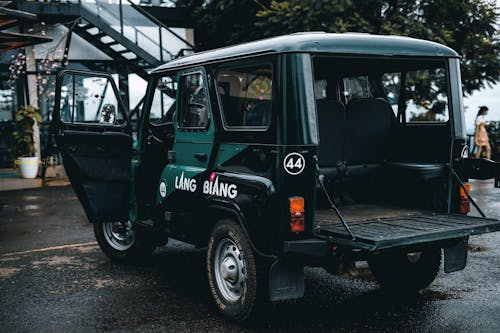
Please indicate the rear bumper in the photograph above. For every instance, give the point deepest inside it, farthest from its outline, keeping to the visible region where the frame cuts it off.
(310, 247)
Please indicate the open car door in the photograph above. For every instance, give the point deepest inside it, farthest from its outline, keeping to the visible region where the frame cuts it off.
(94, 136)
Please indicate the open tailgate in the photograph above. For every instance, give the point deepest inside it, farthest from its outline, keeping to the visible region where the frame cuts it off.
(384, 233)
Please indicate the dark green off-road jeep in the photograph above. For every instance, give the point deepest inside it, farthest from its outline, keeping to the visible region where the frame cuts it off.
(310, 149)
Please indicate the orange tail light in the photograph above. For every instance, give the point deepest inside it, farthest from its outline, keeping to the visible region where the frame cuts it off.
(297, 221)
(464, 203)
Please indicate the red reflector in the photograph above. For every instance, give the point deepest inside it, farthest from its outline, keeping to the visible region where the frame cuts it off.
(464, 203)
(297, 221)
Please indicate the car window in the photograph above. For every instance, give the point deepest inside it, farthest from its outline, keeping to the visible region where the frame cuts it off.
(246, 96)
(163, 104)
(356, 87)
(426, 95)
(87, 99)
(193, 97)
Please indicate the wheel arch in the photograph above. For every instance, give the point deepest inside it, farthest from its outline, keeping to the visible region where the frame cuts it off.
(219, 209)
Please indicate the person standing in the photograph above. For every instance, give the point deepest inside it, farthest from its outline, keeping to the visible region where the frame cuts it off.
(481, 139)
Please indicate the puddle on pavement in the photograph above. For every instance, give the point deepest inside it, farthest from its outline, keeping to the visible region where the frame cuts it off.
(30, 207)
(31, 197)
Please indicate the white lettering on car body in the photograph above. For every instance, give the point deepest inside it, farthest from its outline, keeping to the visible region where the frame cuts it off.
(184, 183)
(220, 189)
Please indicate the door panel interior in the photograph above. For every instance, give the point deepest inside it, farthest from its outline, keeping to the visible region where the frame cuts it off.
(95, 140)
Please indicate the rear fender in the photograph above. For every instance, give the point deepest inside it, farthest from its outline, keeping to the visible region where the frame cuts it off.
(218, 208)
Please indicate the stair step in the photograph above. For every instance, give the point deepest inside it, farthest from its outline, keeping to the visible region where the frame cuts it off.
(106, 39)
(93, 31)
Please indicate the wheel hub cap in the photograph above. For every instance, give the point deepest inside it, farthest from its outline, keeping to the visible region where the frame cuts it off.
(119, 235)
(229, 270)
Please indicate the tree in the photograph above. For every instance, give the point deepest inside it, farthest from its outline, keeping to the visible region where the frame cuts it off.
(220, 23)
(467, 26)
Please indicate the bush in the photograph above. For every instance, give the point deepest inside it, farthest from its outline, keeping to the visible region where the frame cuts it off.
(23, 133)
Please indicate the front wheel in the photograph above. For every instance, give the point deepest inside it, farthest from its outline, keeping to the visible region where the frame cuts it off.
(406, 271)
(120, 242)
(232, 273)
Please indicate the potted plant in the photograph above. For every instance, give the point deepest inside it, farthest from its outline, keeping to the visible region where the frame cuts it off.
(26, 118)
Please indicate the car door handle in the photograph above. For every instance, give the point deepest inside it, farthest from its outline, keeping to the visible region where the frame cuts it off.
(202, 157)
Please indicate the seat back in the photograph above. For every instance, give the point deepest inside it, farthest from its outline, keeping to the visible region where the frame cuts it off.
(331, 124)
(369, 126)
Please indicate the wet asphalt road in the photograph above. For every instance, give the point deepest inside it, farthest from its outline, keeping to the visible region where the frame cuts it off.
(54, 278)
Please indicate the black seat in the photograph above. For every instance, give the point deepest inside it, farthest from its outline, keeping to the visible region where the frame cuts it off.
(259, 114)
(331, 124)
(370, 123)
(416, 170)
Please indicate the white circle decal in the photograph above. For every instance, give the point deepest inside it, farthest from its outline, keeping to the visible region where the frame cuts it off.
(163, 189)
(294, 163)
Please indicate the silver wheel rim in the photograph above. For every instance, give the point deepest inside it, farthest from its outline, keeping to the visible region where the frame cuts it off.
(229, 270)
(119, 235)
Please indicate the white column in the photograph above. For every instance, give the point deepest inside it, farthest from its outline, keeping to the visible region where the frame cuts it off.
(33, 93)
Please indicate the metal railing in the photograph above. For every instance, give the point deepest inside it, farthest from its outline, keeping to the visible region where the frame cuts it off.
(137, 25)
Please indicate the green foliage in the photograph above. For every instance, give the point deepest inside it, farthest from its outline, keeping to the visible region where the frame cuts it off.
(467, 26)
(23, 134)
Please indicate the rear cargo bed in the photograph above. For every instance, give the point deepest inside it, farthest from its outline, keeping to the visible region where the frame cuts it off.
(398, 227)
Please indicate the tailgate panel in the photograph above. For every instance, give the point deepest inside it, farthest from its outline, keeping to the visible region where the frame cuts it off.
(383, 233)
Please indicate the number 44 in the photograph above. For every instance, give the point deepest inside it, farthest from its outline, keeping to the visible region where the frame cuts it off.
(290, 164)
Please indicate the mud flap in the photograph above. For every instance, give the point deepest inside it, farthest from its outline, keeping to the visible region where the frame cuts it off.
(286, 280)
(455, 257)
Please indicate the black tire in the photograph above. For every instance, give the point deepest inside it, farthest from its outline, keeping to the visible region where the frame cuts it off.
(230, 259)
(139, 248)
(405, 272)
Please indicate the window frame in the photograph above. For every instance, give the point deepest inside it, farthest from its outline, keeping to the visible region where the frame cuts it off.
(110, 79)
(180, 101)
(219, 101)
(155, 84)
(443, 60)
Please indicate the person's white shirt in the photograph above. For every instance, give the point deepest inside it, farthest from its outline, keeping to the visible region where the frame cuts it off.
(480, 120)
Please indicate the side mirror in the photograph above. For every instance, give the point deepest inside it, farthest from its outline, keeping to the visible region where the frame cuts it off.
(108, 114)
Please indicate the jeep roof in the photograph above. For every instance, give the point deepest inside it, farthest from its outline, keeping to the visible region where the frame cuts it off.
(319, 42)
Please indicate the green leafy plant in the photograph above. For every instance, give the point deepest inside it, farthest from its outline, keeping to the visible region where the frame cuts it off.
(23, 134)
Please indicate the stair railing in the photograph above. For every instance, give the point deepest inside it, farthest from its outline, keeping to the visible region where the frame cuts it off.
(125, 23)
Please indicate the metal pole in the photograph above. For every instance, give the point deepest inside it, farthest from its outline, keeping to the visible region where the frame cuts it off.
(121, 16)
(161, 44)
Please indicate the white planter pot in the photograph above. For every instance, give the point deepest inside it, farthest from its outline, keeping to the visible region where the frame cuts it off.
(28, 166)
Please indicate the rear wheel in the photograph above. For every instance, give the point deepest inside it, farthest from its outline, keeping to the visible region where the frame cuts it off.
(406, 271)
(232, 273)
(120, 242)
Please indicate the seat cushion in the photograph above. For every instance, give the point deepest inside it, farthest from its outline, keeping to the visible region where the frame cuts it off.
(416, 170)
